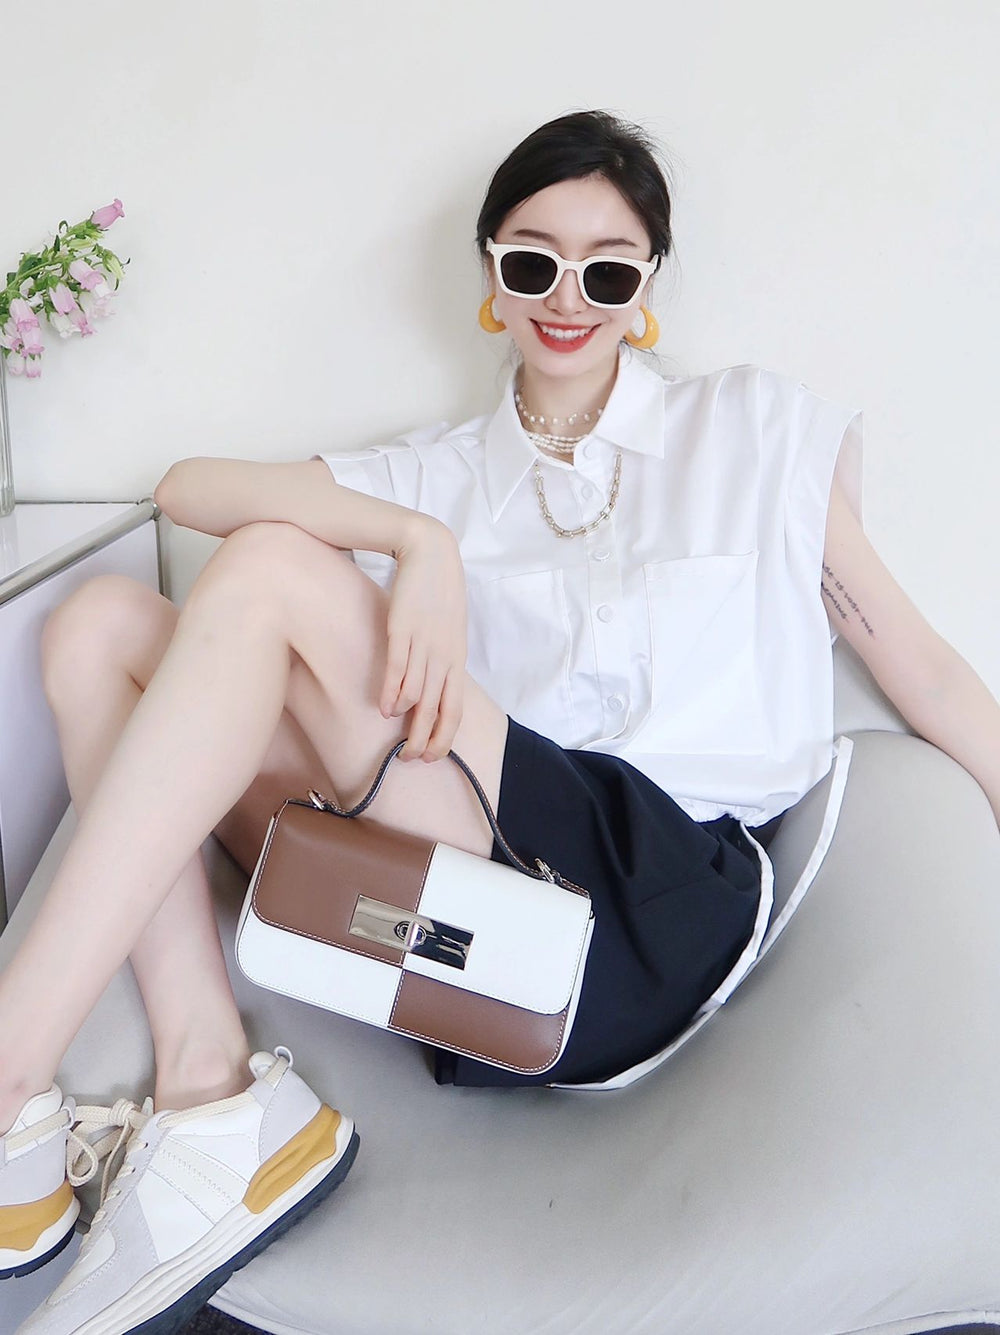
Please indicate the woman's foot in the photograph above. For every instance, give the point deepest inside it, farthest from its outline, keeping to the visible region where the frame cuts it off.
(37, 1206)
(200, 1192)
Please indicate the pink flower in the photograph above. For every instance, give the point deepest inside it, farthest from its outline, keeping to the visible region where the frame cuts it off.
(15, 364)
(10, 338)
(33, 368)
(86, 276)
(22, 315)
(79, 318)
(63, 300)
(106, 216)
(25, 323)
(33, 346)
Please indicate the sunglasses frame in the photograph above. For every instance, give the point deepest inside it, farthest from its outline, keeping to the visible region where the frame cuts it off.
(646, 270)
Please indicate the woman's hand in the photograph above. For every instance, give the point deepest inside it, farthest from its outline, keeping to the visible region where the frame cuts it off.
(425, 663)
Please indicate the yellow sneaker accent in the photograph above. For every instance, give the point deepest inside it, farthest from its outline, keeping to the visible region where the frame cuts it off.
(316, 1141)
(22, 1225)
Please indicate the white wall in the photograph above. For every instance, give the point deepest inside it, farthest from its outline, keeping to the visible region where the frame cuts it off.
(301, 181)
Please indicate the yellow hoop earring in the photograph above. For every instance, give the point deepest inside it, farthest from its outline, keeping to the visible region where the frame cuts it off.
(487, 319)
(649, 335)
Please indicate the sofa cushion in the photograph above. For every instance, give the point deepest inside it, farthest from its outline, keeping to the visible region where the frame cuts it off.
(820, 1157)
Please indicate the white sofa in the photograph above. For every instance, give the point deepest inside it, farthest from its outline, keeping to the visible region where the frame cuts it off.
(821, 1158)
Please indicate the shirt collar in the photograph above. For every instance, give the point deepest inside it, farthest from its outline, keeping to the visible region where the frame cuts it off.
(633, 418)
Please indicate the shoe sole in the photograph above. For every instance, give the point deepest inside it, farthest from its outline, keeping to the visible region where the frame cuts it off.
(50, 1249)
(179, 1312)
(29, 1267)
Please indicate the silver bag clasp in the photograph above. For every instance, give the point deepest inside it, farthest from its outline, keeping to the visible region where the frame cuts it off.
(413, 933)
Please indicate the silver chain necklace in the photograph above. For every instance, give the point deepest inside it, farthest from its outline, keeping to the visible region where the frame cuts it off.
(594, 523)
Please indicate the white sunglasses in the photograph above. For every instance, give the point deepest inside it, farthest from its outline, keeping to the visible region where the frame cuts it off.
(608, 281)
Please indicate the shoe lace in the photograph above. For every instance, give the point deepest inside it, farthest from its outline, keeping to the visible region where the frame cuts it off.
(120, 1123)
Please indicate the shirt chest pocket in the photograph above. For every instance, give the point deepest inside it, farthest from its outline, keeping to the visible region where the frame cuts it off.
(519, 648)
(705, 696)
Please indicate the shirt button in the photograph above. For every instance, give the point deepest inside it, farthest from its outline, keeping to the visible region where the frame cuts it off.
(602, 554)
(606, 613)
(586, 491)
(615, 702)
(587, 450)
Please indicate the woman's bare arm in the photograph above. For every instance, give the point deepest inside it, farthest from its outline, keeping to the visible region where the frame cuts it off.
(218, 496)
(935, 689)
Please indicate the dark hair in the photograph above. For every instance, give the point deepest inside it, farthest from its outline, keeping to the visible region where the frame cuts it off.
(583, 143)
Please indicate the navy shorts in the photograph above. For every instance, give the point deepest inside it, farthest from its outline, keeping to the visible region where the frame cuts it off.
(674, 899)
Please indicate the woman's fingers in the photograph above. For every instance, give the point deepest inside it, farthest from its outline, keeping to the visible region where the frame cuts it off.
(397, 660)
(431, 686)
(404, 680)
(412, 689)
(425, 714)
(448, 718)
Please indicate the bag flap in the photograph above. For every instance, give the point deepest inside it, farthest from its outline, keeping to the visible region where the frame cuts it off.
(528, 936)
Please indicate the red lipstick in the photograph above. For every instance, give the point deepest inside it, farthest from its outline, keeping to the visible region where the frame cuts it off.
(564, 344)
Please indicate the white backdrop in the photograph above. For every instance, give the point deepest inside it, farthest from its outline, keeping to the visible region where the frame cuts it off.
(301, 180)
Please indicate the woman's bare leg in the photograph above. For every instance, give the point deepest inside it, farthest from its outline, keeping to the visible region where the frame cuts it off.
(100, 649)
(257, 631)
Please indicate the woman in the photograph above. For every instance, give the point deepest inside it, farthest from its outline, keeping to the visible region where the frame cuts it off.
(653, 569)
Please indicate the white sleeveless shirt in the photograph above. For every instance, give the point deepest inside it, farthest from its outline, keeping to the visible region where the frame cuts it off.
(688, 633)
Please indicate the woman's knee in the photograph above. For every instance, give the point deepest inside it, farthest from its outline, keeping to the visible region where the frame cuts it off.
(100, 618)
(267, 564)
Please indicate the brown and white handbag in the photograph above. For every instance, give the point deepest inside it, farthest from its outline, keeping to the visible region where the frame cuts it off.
(414, 935)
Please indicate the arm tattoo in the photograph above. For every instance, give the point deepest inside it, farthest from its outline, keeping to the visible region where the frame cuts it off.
(841, 596)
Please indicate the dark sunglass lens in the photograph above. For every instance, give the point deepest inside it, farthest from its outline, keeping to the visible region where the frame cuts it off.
(527, 273)
(615, 284)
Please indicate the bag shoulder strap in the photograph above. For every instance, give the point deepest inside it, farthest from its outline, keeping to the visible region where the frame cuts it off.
(543, 873)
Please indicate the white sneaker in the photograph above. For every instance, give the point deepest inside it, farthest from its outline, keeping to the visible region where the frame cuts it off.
(37, 1206)
(198, 1194)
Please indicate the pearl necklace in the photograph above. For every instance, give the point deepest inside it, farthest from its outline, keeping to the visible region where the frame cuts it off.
(560, 445)
(547, 440)
(530, 417)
